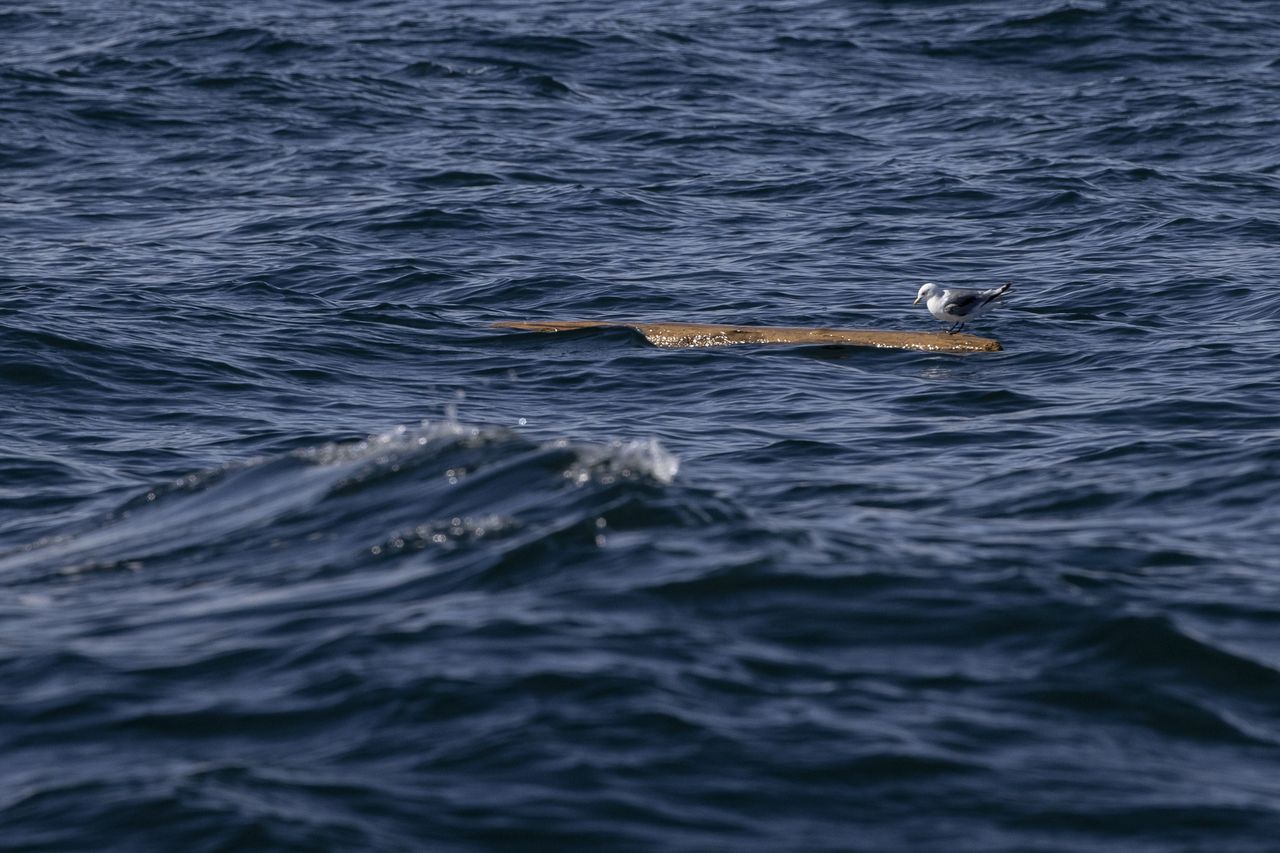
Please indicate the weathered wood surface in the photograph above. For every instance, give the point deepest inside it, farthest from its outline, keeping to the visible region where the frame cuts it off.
(713, 335)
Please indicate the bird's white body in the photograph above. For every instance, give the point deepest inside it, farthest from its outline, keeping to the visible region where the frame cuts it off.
(959, 305)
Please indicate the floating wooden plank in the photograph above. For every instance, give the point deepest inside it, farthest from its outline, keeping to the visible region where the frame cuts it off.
(713, 335)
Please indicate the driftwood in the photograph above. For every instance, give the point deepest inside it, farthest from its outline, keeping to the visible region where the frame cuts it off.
(712, 335)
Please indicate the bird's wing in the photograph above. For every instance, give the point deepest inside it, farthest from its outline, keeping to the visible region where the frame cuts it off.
(960, 303)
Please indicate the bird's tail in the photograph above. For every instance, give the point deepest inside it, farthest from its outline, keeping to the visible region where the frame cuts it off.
(997, 293)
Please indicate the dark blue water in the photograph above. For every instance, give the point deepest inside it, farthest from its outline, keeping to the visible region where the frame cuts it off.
(297, 552)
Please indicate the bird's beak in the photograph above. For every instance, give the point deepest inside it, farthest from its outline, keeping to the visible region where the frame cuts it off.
(917, 302)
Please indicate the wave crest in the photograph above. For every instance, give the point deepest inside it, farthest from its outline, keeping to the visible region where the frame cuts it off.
(443, 483)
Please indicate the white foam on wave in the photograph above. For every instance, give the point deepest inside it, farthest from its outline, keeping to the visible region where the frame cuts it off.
(627, 460)
(398, 440)
(632, 459)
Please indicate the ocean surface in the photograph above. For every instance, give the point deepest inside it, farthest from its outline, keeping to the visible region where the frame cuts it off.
(299, 552)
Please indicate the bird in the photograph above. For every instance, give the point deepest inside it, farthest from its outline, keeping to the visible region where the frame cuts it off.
(956, 305)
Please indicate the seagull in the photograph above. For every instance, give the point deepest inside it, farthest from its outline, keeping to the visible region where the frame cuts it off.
(957, 305)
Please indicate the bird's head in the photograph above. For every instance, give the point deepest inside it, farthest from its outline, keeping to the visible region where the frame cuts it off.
(926, 290)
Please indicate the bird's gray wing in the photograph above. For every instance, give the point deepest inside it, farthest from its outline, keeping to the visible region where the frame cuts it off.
(964, 303)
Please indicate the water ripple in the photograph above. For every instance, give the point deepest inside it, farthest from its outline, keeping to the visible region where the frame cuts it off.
(612, 595)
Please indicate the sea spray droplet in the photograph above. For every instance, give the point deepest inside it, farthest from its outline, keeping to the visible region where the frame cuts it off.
(647, 457)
